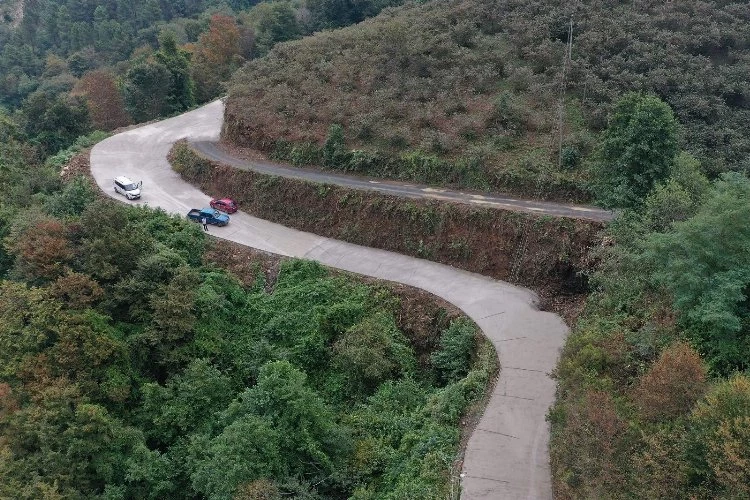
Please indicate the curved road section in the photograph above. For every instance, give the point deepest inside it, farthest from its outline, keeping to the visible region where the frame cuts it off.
(506, 456)
(212, 151)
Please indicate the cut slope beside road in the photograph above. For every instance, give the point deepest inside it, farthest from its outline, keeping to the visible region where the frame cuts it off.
(213, 151)
(506, 456)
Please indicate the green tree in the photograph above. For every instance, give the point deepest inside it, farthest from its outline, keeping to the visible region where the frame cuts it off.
(105, 254)
(54, 122)
(167, 340)
(181, 95)
(678, 198)
(334, 149)
(82, 61)
(246, 450)
(337, 13)
(190, 401)
(146, 90)
(273, 22)
(78, 446)
(310, 440)
(637, 150)
(23, 333)
(73, 199)
(372, 351)
(704, 263)
(453, 359)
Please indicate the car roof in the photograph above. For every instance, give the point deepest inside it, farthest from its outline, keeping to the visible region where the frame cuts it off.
(123, 180)
(211, 210)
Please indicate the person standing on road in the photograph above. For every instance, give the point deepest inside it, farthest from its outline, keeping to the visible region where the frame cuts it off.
(205, 225)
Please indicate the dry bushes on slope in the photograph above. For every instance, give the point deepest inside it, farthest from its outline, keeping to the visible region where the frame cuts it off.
(477, 82)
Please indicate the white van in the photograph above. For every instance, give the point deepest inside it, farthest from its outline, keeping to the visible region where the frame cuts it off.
(130, 189)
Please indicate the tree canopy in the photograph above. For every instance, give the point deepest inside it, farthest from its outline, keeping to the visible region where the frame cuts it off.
(637, 150)
(138, 367)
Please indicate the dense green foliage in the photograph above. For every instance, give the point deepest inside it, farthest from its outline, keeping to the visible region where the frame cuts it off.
(70, 67)
(162, 85)
(704, 264)
(637, 150)
(637, 414)
(478, 83)
(88, 35)
(133, 367)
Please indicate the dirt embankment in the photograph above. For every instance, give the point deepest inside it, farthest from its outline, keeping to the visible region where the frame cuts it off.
(539, 252)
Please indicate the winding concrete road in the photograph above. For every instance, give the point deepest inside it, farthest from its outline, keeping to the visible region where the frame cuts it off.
(506, 457)
(213, 151)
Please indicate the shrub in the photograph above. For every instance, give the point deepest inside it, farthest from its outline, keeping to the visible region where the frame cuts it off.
(704, 264)
(719, 448)
(192, 166)
(672, 385)
(637, 150)
(372, 351)
(73, 200)
(589, 449)
(453, 359)
(334, 146)
(61, 158)
(571, 157)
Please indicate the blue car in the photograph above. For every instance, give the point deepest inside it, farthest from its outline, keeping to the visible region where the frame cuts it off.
(211, 215)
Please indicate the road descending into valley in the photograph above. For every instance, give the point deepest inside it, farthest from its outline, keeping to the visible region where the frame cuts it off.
(506, 456)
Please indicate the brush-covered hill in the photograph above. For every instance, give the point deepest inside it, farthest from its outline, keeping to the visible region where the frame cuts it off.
(467, 92)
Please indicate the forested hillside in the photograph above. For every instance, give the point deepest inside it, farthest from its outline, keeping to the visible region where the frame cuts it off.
(653, 387)
(140, 360)
(135, 364)
(467, 92)
(654, 393)
(70, 67)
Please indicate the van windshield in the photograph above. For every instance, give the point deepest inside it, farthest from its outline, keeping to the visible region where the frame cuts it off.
(129, 187)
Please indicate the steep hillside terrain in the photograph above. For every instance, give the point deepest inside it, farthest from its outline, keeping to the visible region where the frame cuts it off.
(544, 253)
(144, 367)
(467, 92)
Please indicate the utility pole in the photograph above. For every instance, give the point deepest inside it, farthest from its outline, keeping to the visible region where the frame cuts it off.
(563, 85)
(523, 231)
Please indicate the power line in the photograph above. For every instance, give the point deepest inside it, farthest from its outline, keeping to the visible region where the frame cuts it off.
(563, 86)
(525, 229)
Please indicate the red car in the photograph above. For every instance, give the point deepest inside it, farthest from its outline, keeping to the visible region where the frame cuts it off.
(226, 205)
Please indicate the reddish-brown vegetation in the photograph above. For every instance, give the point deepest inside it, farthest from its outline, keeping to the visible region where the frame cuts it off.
(216, 56)
(594, 435)
(672, 385)
(77, 290)
(43, 249)
(8, 403)
(106, 106)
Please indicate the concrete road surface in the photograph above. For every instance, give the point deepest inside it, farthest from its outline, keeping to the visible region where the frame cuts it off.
(212, 151)
(507, 456)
